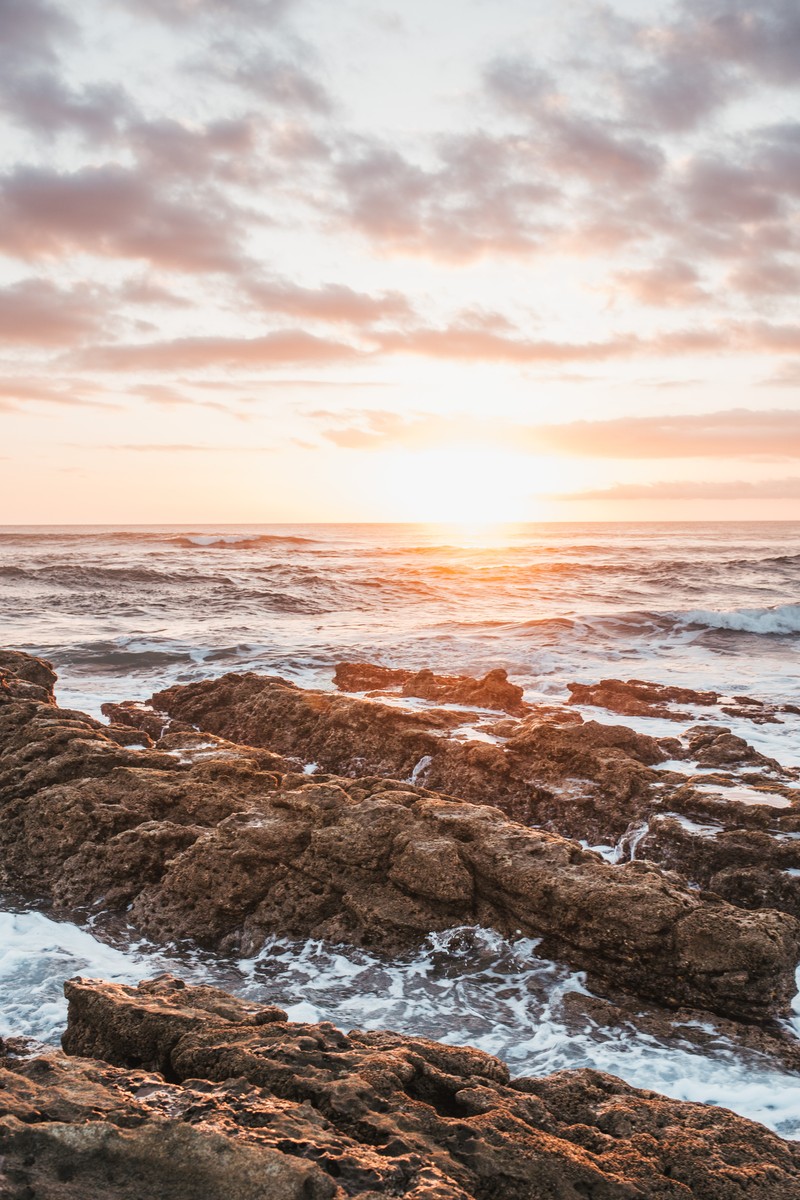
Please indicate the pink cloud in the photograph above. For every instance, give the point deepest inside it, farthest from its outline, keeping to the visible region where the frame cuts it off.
(694, 489)
(284, 347)
(331, 302)
(37, 312)
(116, 212)
(730, 433)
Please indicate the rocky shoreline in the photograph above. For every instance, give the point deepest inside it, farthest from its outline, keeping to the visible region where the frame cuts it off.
(181, 1092)
(228, 811)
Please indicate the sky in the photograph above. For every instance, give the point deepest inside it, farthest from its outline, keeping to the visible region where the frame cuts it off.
(284, 260)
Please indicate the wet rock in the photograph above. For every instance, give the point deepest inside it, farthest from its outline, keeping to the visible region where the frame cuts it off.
(755, 867)
(716, 746)
(226, 851)
(368, 677)
(131, 714)
(124, 735)
(636, 697)
(304, 1110)
(492, 691)
(581, 780)
(23, 677)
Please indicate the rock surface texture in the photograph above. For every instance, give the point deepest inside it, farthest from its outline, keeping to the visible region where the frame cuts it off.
(204, 839)
(493, 691)
(604, 784)
(584, 780)
(187, 1092)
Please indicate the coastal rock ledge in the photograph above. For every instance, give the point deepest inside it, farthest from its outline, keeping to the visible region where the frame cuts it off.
(187, 1093)
(231, 847)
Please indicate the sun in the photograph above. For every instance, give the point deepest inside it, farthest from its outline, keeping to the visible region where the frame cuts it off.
(468, 484)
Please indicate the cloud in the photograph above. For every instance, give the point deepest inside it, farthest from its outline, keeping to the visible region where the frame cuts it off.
(668, 283)
(225, 149)
(37, 312)
(17, 394)
(518, 83)
(116, 212)
(33, 30)
(46, 105)
(677, 90)
(177, 448)
(283, 347)
(787, 375)
(182, 12)
(763, 39)
(677, 72)
(33, 93)
(481, 196)
(693, 489)
(469, 344)
(278, 80)
(332, 302)
(720, 191)
(730, 433)
(766, 276)
(599, 151)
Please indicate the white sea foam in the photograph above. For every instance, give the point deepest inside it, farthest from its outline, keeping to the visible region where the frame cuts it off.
(777, 619)
(463, 987)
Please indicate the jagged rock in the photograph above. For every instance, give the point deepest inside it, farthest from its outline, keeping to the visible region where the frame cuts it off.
(716, 746)
(638, 698)
(208, 1096)
(755, 867)
(23, 677)
(130, 714)
(586, 780)
(230, 849)
(492, 691)
(368, 677)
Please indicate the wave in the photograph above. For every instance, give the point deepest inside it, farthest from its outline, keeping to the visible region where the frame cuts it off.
(63, 575)
(154, 537)
(235, 541)
(779, 620)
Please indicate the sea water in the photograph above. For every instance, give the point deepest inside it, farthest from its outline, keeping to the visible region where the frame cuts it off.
(122, 612)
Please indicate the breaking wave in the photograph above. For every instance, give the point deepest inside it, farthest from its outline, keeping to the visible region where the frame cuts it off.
(779, 620)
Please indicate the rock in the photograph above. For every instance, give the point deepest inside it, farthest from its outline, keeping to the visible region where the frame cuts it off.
(199, 1094)
(368, 677)
(755, 867)
(493, 691)
(132, 714)
(23, 677)
(586, 780)
(228, 850)
(715, 746)
(635, 697)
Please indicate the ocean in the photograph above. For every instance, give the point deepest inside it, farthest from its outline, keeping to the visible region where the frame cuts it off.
(124, 611)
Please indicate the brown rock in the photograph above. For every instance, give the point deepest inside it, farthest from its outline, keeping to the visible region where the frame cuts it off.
(492, 691)
(585, 780)
(226, 852)
(23, 677)
(715, 746)
(635, 697)
(304, 1110)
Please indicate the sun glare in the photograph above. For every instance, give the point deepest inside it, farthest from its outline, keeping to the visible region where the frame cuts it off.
(469, 485)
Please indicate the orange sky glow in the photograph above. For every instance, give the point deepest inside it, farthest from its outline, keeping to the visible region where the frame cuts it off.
(278, 260)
